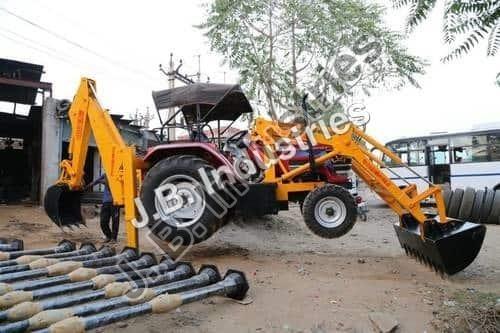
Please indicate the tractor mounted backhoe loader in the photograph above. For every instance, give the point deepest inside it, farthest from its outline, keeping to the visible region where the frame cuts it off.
(329, 210)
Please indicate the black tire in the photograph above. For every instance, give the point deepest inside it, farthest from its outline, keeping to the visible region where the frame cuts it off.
(340, 197)
(495, 209)
(467, 202)
(183, 166)
(489, 196)
(476, 207)
(447, 192)
(455, 202)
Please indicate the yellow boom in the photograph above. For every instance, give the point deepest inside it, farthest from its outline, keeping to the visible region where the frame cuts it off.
(88, 117)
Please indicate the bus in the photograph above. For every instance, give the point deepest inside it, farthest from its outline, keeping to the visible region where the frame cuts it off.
(461, 159)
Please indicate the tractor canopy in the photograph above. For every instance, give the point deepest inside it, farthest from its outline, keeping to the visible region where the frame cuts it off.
(205, 102)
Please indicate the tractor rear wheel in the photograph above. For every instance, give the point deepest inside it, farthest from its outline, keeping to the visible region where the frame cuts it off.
(177, 202)
(330, 211)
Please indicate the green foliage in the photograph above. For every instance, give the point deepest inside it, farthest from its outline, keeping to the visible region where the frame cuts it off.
(470, 20)
(277, 45)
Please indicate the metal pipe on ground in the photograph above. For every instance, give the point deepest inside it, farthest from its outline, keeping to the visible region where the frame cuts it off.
(13, 298)
(89, 251)
(136, 272)
(13, 245)
(85, 248)
(51, 311)
(234, 285)
(63, 246)
(66, 267)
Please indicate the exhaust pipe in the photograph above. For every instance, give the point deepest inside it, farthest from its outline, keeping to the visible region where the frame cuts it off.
(13, 245)
(66, 267)
(53, 311)
(14, 297)
(234, 286)
(63, 246)
(87, 252)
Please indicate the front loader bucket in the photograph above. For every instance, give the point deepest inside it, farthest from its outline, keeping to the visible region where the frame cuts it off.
(447, 247)
(63, 206)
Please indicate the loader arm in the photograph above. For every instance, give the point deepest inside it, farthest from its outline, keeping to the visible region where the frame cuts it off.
(448, 245)
(87, 117)
(365, 164)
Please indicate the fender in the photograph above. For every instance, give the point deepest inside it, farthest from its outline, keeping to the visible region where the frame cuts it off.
(204, 150)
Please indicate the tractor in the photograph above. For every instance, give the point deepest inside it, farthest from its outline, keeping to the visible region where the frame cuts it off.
(189, 189)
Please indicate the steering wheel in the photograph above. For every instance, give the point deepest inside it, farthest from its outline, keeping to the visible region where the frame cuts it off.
(237, 139)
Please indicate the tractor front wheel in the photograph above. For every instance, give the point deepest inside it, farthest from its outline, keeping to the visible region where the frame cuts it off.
(330, 211)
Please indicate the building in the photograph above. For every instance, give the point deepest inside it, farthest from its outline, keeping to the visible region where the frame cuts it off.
(33, 143)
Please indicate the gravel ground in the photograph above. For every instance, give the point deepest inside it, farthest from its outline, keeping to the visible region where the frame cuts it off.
(299, 282)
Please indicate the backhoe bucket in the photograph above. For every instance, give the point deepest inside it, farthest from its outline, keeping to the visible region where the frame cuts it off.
(447, 247)
(63, 206)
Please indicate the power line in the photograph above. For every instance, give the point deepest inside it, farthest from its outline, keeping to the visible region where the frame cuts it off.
(55, 54)
(75, 44)
(35, 48)
(68, 62)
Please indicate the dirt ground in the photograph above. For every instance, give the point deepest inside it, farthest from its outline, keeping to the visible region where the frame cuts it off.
(299, 282)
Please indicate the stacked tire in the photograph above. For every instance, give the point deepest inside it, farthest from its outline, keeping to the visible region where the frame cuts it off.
(478, 206)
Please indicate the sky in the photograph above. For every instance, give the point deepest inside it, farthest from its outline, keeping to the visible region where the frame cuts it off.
(121, 44)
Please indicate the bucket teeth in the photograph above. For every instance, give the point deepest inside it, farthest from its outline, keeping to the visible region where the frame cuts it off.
(425, 260)
(446, 247)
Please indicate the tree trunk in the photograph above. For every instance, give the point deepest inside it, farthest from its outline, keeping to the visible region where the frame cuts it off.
(269, 88)
(294, 65)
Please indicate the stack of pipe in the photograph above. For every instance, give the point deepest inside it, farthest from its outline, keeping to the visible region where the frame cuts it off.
(10, 245)
(62, 289)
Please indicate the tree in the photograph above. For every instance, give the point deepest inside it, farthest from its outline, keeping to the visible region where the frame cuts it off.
(280, 46)
(469, 20)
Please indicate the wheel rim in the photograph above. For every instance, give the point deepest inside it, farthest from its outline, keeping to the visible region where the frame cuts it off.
(181, 214)
(330, 212)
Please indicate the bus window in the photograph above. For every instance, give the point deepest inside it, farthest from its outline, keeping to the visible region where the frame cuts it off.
(400, 149)
(494, 139)
(387, 161)
(417, 145)
(494, 146)
(404, 157)
(440, 155)
(495, 152)
(480, 153)
(462, 154)
(479, 140)
(417, 157)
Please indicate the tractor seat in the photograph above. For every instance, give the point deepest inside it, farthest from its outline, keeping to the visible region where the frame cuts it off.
(199, 136)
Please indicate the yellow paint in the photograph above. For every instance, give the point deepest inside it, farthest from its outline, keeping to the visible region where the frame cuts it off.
(352, 145)
(119, 160)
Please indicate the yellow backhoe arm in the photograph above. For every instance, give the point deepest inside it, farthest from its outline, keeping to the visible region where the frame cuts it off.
(119, 160)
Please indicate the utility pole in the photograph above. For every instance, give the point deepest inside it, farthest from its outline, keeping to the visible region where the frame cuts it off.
(199, 69)
(171, 85)
(172, 75)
